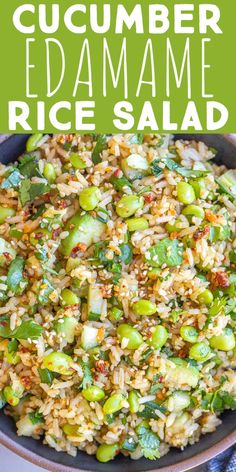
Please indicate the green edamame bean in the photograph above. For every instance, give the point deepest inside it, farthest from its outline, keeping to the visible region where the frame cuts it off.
(12, 357)
(133, 400)
(69, 298)
(6, 213)
(144, 308)
(49, 172)
(185, 193)
(134, 337)
(159, 337)
(114, 403)
(77, 161)
(199, 352)
(224, 341)
(128, 205)
(58, 362)
(89, 198)
(194, 210)
(206, 297)
(10, 395)
(33, 141)
(115, 314)
(199, 186)
(189, 334)
(106, 452)
(93, 393)
(70, 429)
(174, 227)
(137, 224)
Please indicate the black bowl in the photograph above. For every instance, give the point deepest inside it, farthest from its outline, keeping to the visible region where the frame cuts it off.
(176, 461)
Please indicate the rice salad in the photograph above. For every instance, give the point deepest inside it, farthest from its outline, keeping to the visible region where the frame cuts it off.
(117, 293)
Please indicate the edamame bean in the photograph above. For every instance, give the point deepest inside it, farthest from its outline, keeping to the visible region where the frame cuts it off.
(133, 400)
(10, 395)
(189, 334)
(77, 161)
(224, 341)
(194, 210)
(199, 352)
(58, 362)
(6, 213)
(93, 393)
(185, 193)
(12, 357)
(106, 452)
(115, 314)
(113, 404)
(89, 198)
(175, 226)
(33, 141)
(128, 205)
(144, 308)
(49, 172)
(137, 224)
(69, 298)
(159, 337)
(206, 297)
(131, 334)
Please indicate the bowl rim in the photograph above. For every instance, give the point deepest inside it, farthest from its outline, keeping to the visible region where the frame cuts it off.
(181, 466)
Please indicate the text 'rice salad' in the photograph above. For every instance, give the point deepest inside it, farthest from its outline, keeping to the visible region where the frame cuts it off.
(117, 293)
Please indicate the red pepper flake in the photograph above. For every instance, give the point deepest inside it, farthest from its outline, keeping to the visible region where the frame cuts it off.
(117, 173)
(26, 381)
(79, 248)
(201, 233)
(219, 279)
(7, 256)
(102, 366)
(149, 198)
(55, 233)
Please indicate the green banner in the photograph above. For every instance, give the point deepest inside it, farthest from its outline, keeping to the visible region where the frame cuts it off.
(117, 66)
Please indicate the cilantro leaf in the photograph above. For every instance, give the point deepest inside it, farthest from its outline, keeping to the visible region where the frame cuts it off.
(29, 190)
(27, 329)
(15, 279)
(100, 146)
(36, 417)
(149, 443)
(46, 288)
(28, 166)
(136, 139)
(12, 179)
(167, 251)
(120, 183)
(232, 256)
(156, 170)
(87, 378)
(129, 444)
(149, 410)
(46, 376)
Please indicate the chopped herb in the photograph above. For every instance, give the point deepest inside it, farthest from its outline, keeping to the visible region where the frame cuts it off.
(100, 146)
(167, 251)
(217, 305)
(12, 346)
(46, 376)
(149, 410)
(36, 417)
(27, 330)
(136, 139)
(28, 166)
(12, 179)
(87, 378)
(156, 170)
(29, 191)
(94, 316)
(102, 215)
(15, 279)
(129, 444)
(126, 253)
(120, 183)
(232, 256)
(149, 443)
(46, 288)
